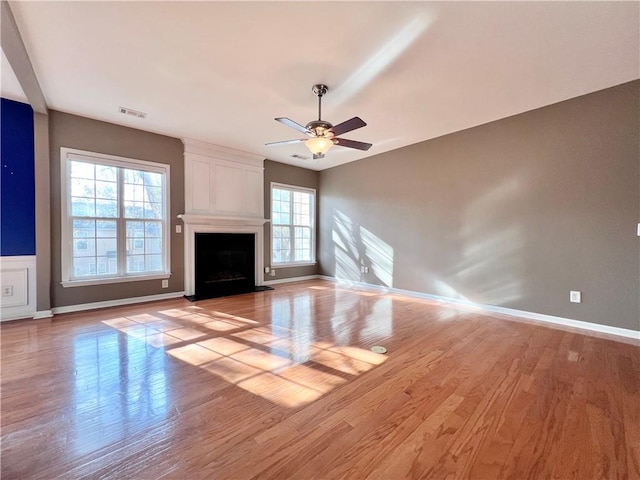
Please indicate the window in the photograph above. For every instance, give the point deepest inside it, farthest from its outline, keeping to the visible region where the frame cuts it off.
(292, 225)
(114, 216)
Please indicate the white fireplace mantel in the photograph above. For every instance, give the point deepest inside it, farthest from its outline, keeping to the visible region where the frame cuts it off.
(210, 224)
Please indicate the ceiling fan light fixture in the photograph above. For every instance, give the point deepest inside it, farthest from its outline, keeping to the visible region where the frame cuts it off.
(319, 145)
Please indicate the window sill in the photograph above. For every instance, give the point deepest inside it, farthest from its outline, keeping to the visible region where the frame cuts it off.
(103, 281)
(289, 265)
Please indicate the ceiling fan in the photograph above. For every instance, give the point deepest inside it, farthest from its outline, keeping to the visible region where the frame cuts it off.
(323, 135)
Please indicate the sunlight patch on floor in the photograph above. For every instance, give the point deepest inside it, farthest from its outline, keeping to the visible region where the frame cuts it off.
(281, 364)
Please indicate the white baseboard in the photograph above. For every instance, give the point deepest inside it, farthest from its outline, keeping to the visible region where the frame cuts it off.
(539, 317)
(43, 314)
(293, 279)
(115, 303)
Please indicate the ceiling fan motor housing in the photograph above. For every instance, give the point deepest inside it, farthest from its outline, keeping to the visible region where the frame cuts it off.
(320, 128)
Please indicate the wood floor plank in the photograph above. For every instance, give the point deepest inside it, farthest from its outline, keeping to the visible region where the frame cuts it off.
(283, 385)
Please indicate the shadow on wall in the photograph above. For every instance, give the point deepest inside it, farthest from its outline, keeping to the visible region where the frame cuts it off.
(356, 248)
(475, 257)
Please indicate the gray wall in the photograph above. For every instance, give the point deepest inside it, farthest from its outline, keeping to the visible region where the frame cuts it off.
(71, 131)
(514, 213)
(290, 175)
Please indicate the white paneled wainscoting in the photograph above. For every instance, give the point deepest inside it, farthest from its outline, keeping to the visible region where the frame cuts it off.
(17, 287)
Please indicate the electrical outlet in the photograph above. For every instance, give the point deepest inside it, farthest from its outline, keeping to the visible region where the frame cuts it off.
(7, 291)
(266, 269)
(273, 273)
(575, 296)
(178, 228)
(165, 283)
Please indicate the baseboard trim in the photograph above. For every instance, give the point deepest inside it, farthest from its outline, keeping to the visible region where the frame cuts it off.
(539, 317)
(16, 314)
(43, 314)
(115, 303)
(292, 279)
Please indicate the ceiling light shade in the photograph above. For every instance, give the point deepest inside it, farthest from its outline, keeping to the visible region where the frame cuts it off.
(319, 145)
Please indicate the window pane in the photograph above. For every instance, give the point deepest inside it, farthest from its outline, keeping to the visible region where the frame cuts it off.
(152, 229)
(84, 228)
(83, 207)
(135, 263)
(82, 170)
(133, 209)
(107, 265)
(107, 173)
(107, 208)
(82, 267)
(153, 194)
(107, 246)
(81, 187)
(153, 263)
(303, 244)
(152, 210)
(108, 190)
(153, 245)
(106, 228)
(135, 229)
(281, 244)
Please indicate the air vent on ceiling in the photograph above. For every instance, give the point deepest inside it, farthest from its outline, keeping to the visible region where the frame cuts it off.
(132, 113)
(300, 157)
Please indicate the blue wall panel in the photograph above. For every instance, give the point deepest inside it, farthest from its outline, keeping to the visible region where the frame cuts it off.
(17, 179)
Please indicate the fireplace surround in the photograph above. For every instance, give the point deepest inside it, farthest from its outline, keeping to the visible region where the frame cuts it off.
(224, 194)
(198, 224)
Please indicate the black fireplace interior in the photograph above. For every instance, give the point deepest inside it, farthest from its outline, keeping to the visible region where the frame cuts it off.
(225, 265)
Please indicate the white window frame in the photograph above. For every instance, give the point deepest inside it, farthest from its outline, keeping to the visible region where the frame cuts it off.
(68, 154)
(294, 188)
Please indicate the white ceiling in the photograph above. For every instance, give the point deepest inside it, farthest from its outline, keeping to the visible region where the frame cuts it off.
(221, 71)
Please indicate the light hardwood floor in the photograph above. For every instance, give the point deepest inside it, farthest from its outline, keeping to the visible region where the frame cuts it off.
(283, 384)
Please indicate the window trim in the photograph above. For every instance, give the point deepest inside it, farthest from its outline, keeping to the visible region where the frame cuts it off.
(66, 247)
(294, 188)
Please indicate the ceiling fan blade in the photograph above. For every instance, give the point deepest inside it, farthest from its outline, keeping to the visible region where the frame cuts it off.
(343, 142)
(290, 123)
(286, 142)
(351, 124)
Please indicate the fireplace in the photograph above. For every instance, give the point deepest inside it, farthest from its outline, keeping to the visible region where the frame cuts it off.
(221, 239)
(225, 264)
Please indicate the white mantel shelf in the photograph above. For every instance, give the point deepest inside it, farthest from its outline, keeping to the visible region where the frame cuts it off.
(221, 220)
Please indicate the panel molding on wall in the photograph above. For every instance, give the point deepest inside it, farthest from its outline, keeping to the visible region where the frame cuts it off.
(17, 287)
(222, 182)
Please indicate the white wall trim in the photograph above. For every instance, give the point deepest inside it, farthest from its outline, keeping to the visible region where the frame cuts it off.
(43, 314)
(19, 274)
(292, 279)
(540, 317)
(198, 147)
(115, 303)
